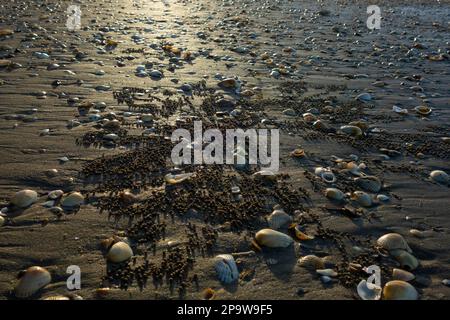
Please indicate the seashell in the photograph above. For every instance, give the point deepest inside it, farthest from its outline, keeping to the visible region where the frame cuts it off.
(364, 97)
(423, 110)
(266, 175)
(309, 117)
(298, 153)
(406, 260)
(58, 297)
(228, 83)
(440, 176)
(399, 290)
(112, 124)
(4, 63)
(273, 239)
(383, 198)
(177, 178)
(24, 198)
(363, 125)
(327, 272)
(369, 183)
(393, 241)
(226, 268)
(326, 279)
(328, 176)
(399, 274)
(31, 281)
(2, 221)
(334, 194)
(368, 291)
(208, 294)
(417, 233)
(295, 229)
(362, 198)
(399, 110)
(111, 137)
(352, 130)
(289, 112)
(278, 218)
(74, 199)
(311, 262)
(55, 194)
(119, 252)
(320, 125)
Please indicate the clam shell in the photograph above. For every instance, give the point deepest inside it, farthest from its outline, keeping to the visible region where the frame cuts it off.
(393, 241)
(326, 175)
(399, 290)
(369, 183)
(362, 198)
(352, 130)
(334, 194)
(34, 279)
(226, 268)
(383, 198)
(2, 221)
(73, 200)
(423, 110)
(327, 272)
(368, 291)
(311, 262)
(400, 274)
(440, 176)
(24, 198)
(406, 259)
(399, 110)
(119, 252)
(364, 97)
(55, 194)
(278, 218)
(273, 239)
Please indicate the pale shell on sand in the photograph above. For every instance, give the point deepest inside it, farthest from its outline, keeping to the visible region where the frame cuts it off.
(440, 176)
(273, 239)
(362, 198)
(369, 183)
(55, 194)
(24, 198)
(405, 259)
(368, 291)
(32, 280)
(400, 274)
(399, 290)
(73, 200)
(334, 194)
(119, 252)
(393, 241)
(226, 268)
(278, 218)
(311, 262)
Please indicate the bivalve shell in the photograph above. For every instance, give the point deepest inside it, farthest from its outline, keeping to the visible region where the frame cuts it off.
(55, 194)
(440, 176)
(403, 275)
(352, 130)
(393, 241)
(334, 194)
(399, 290)
(74, 199)
(226, 268)
(119, 252)
(32, 280)
(278, 218)
(405, 259)
(24, 198)
(311, 262)
(273, 239)
(368, 291)
(362, 198)
(369, 183)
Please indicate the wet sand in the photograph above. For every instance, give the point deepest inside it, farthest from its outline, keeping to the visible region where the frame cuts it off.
(324, 57)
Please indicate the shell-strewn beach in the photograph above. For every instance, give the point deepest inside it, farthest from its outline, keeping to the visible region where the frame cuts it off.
(91, 92)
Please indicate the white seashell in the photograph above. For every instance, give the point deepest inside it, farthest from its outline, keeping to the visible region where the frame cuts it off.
(440, 176)
(383, 198)
(368, 291)
(327, 272)
(334, 194)
(119, 252)
(362, 198)
(55, 194)
(406, 259)
(273, 239)
(399, 274)
(73, 200)
(352, 130)
(226, 268)
(399, 110)
(364, 97)
(34, 279)
(399, 290)
(369, 183)
(393, 241)
(24, 198)
(311, 262)
(278, 218)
